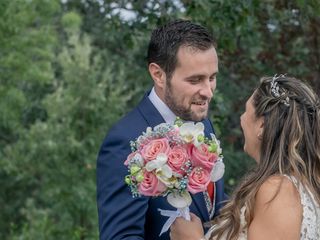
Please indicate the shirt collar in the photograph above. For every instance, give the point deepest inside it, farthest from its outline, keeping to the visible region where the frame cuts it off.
(163, 109)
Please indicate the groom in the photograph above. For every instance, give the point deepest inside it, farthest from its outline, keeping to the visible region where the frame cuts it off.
(183, 64)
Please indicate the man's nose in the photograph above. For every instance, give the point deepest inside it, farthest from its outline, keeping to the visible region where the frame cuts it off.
(207, 90)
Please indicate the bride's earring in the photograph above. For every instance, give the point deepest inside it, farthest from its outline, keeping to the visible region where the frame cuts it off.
(260, 136)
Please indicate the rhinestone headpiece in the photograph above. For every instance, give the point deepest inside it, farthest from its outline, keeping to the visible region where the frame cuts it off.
(276, 91)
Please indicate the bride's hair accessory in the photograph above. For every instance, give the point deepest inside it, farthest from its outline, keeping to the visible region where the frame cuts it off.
(278, 92)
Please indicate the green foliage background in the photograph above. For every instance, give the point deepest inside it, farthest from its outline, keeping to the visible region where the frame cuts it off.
(69, 69)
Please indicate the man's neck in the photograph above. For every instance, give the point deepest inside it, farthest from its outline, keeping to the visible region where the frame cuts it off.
(162, 108)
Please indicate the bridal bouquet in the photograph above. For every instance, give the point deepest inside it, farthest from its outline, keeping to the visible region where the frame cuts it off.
(174, 161)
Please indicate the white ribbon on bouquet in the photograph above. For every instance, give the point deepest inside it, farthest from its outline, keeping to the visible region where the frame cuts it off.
(181, 201)
(180, 212)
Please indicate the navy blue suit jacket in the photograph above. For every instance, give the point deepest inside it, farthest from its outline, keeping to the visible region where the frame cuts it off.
(120, 215)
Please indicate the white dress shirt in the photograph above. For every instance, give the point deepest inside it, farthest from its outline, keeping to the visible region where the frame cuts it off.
(163, 109)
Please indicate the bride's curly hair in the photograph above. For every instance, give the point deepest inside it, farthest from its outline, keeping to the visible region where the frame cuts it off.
(290, 145)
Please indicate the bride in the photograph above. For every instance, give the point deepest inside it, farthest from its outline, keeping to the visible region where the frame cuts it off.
(280, 198)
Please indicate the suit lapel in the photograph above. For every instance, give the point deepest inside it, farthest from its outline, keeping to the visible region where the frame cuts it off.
(207, 127)
(200, 204)
(149, 112)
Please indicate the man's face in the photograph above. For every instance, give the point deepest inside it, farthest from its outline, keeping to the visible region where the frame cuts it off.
(190, 89)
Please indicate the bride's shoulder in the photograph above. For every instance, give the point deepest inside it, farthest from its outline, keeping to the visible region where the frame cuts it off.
(278, 192)
(278, 187)
(277, 210)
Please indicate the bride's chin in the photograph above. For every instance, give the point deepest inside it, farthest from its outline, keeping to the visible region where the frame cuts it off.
(245, 149)
(257, 159)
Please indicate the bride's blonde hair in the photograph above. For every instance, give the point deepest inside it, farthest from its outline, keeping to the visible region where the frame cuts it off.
(290, 145)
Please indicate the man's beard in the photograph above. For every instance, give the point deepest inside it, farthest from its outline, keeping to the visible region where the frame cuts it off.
(178, 109)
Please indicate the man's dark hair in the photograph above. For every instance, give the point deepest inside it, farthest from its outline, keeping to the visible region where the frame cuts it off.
(166, 40)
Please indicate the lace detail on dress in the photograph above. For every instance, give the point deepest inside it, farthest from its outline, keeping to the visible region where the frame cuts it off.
(310, 226)
(243, 225)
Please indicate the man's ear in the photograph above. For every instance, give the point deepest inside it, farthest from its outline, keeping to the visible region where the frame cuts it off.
(157, 74)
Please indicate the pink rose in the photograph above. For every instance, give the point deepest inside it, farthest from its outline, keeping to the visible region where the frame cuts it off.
(154, 147)
(151, 186)
(177, 158)
(130, 156)
(201, 156)
(199, 179)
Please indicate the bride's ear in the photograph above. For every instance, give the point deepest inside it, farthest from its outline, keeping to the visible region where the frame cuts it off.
(157, 74)
(260, 127)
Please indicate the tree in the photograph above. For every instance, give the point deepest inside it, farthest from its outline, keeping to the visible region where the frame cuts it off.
(27, 40)
(58, 159)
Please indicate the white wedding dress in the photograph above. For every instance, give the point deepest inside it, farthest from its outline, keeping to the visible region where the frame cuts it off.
(310, 227)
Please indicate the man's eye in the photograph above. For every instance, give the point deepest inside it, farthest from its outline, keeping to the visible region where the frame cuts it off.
(194, 81)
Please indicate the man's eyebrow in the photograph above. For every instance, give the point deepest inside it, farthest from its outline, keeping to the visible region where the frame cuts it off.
(214, 74)
(195, 76)
(200, 76)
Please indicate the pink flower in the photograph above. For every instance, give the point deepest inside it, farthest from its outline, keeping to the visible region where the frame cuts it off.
(201, 156)
(177, 158)
(151, 186)
(154, 147)
(130, 156)
(198, 180)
